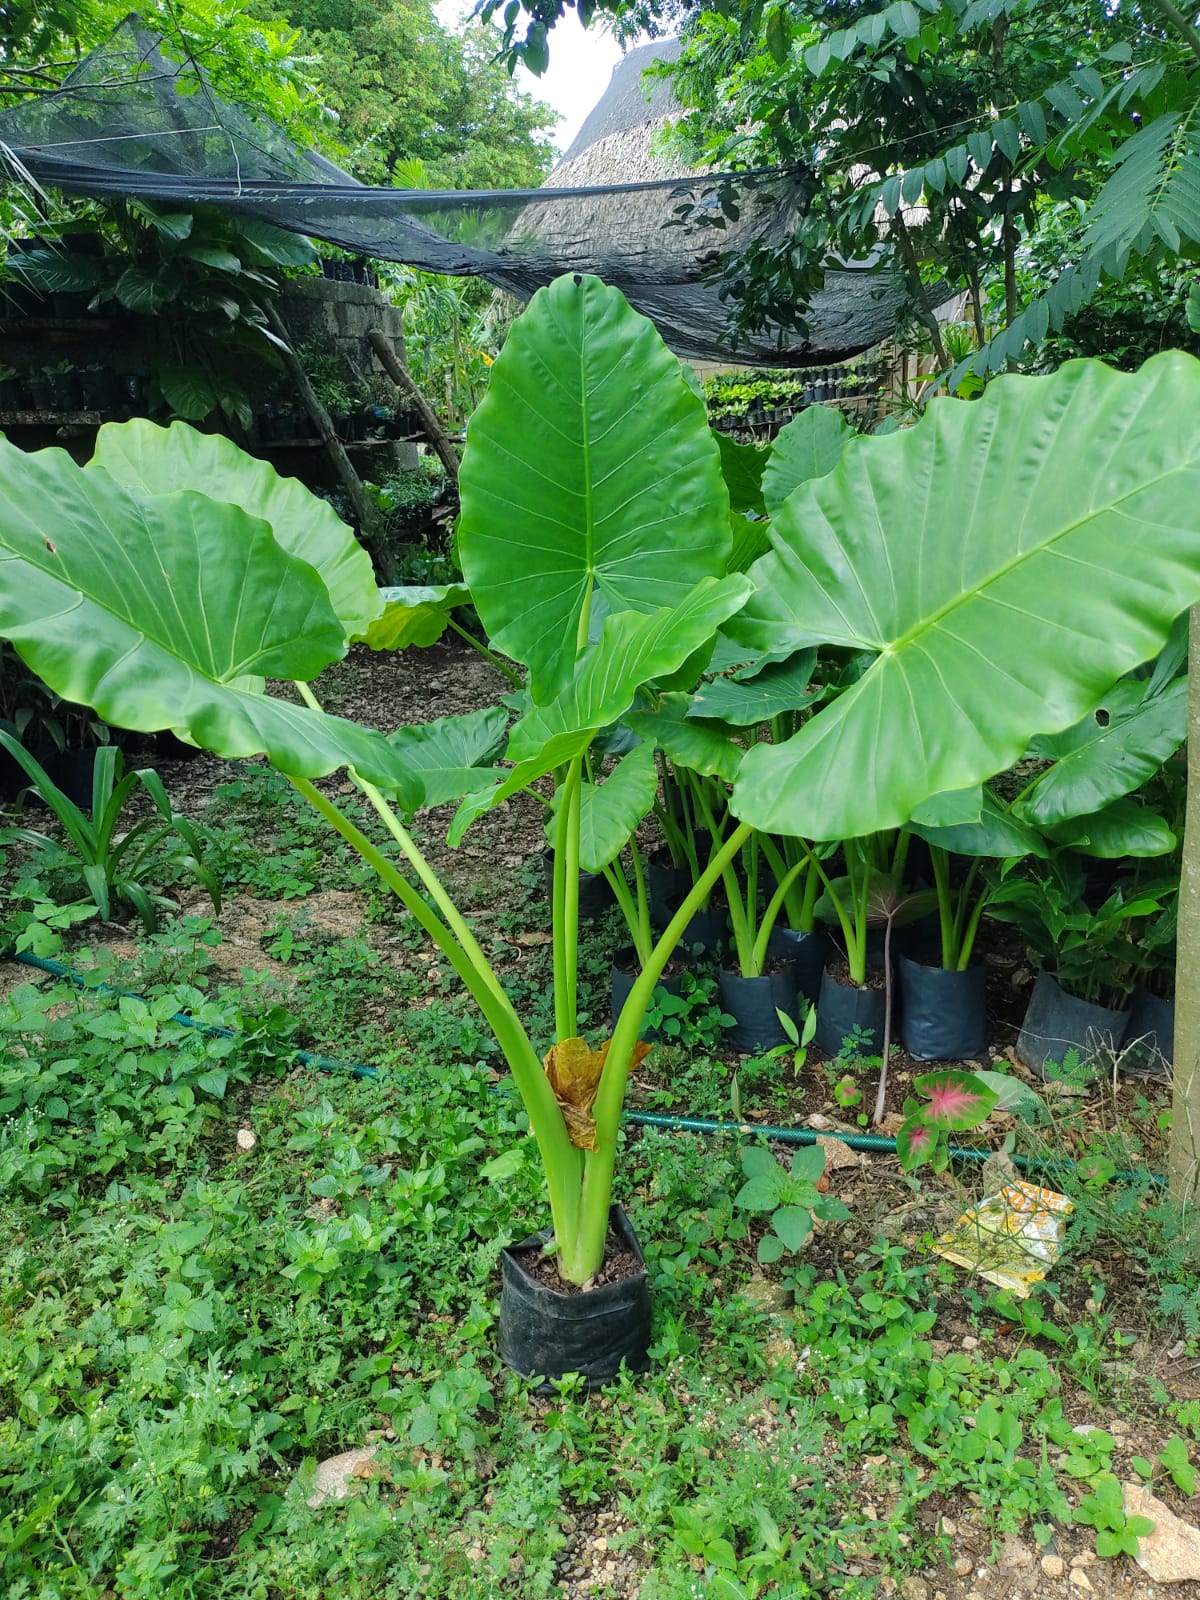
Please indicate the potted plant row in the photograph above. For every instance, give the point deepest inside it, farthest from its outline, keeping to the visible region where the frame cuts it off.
(590, 470)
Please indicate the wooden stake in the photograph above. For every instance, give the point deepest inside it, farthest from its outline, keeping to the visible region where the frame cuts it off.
(402, 378)
(364, 511)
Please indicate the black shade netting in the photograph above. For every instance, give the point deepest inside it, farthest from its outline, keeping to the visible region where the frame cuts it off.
(132, 123)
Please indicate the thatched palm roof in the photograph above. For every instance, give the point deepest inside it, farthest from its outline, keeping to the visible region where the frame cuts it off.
(657, 269)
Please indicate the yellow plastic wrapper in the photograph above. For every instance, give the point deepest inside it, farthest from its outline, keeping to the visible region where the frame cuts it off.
(1011, 1238)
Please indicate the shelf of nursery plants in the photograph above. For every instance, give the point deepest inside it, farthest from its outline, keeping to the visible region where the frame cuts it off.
(51, 419)
(319, 444)
(54, 324)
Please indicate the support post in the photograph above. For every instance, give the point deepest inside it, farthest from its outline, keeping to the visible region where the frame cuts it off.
(363, 509)
(402, 378)
(1185, 1104)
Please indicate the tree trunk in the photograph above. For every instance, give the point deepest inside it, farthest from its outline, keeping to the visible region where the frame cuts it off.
(1185, 1112)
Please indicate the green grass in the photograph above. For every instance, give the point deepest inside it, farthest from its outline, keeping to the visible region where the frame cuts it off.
(187, 1326)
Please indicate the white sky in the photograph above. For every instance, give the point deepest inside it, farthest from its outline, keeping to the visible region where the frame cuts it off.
(581, 63)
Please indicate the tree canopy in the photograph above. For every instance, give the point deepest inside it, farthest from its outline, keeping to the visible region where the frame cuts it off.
(371, 83)
(944, 133)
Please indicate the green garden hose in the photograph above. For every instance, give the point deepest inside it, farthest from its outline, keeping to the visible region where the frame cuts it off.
(874, 1142)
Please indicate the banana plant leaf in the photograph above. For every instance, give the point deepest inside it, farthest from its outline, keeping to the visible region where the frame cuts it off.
(610, 811)
(589, 466)
(1108, 753)
(154, 461)
(810, 446)
(986, 556)
(416, 615)
(169, 611)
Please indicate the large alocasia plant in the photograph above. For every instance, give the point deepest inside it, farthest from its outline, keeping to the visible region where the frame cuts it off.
(1005, 561)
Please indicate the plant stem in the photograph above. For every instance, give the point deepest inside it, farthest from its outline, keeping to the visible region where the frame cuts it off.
(563, 1163)
(565, 924)
(941, 881)
(490, 656)
(433, 885)
(587, 1250)
(881, 1095)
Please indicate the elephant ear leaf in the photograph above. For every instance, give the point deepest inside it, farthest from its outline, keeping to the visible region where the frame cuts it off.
(810, 446)
(1108, 753)
(154, 461)
(609, 812)
(742, 466)
(589, 469)
(417, 615)
(986, 626)
(169, 611)
(450, 755)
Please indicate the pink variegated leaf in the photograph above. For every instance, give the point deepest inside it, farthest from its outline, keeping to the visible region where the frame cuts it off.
(915, 1143)
(957, 1100)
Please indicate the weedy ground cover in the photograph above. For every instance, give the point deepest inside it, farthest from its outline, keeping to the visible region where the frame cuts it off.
(220, 1269)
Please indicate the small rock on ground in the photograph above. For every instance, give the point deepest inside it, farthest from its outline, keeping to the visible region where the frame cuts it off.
(1171, 1554)
(338, 1476)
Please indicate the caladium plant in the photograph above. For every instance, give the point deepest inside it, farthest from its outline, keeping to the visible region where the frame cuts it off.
(945, 1103)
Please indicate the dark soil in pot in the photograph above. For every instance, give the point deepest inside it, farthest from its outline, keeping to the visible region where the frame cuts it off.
(625, 971)
(943, 1014)
(807, 951)
(755, 1003)
(842, 1007)
(548, 1328)
(595, 894)
(1056, 1023)
(1150, 1036)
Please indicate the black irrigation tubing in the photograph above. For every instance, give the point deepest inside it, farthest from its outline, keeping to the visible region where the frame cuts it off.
(870, 1142)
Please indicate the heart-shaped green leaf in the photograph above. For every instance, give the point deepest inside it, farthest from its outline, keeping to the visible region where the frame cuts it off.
(609, 812)
(995, 831)
(742, 466)
(988, 557)
(450, 755)
(780, 687)
(634, 648)
(417, 615)
(1107, 754)
(702, 747)
(1124, 828)
(589, 466)
(154, 461)
(1012, 1095)
(168, 612)
(808, 447)
(953, 809)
